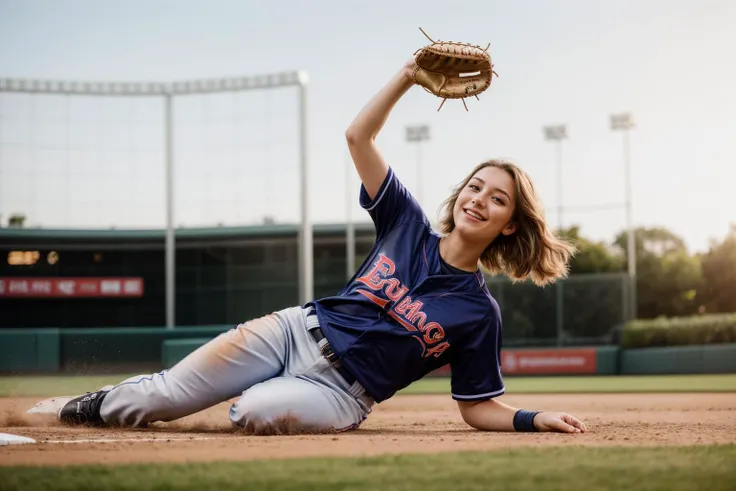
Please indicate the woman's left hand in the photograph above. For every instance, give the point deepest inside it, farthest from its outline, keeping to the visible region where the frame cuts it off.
(560, 422)
(409, 68)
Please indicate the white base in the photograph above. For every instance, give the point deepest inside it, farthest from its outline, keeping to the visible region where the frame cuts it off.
(54, 404)
(50, 406)
(8, 439)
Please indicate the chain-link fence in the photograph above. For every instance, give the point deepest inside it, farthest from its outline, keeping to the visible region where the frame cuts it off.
(228, 280)
(580, 310)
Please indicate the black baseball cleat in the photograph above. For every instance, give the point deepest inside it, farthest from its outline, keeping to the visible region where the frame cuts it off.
(84, 409)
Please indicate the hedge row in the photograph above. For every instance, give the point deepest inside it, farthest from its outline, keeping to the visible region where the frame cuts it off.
(680, 331)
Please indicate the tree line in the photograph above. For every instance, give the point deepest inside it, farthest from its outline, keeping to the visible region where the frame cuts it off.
(670, 280)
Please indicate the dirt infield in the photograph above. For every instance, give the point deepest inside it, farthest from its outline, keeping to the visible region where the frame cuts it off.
(404, 424)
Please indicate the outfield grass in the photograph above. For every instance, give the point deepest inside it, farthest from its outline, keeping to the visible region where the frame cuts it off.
(568, 469)
(33, 386)
(599, 383)
(56, 385)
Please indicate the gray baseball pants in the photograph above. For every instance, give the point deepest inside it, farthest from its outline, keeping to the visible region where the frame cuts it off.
(272, 364)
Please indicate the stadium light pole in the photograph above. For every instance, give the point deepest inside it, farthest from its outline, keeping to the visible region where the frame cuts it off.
(418, 134)
(624, 122)
(557, 133)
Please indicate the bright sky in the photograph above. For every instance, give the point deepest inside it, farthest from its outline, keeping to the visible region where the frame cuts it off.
(77, 162)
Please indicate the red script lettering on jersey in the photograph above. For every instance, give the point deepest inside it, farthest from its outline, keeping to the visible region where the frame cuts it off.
(405, 311)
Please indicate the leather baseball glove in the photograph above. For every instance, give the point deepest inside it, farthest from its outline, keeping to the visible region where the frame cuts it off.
(453, 70)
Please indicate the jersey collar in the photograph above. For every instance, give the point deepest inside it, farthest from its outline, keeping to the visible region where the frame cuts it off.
(432, 271)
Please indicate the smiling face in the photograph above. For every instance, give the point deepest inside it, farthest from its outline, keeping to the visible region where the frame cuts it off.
(485, 205)
(496, 209)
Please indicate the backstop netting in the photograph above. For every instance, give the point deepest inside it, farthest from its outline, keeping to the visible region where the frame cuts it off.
(98, 162)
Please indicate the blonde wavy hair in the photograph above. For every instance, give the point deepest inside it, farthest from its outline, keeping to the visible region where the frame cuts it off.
(533, 250)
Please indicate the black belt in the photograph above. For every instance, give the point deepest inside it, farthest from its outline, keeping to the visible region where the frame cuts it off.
(328, 353)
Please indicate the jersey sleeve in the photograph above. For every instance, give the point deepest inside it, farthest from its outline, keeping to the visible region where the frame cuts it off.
(393, 204)
(476, 368)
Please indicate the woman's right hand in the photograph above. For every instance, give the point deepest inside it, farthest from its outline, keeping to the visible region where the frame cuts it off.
(559, 422)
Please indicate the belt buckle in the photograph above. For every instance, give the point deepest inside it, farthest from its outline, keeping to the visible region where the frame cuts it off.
(329, 354)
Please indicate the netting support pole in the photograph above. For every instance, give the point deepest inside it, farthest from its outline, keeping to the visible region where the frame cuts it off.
(170, 246)
(306, 272)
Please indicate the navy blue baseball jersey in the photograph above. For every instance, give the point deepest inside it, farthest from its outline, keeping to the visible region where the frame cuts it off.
(406, 312)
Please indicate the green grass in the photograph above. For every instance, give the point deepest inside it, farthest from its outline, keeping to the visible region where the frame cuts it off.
(33, 386)
(547, 469)
(598, 383)
(56, 385)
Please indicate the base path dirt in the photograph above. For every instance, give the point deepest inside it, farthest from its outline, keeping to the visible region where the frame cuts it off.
(404, 424)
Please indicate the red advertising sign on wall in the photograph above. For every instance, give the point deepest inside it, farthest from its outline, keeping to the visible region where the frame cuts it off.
(541, 361)
(582, 360)
(71, 287)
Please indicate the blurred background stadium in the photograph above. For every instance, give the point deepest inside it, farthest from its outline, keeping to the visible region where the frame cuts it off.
(84, 172)
(85, 216)
(169, 169)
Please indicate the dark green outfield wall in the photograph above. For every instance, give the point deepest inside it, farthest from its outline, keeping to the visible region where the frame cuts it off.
(607, 360)
(90, 350)
(715, 358)
(96, 351)
(24, 350)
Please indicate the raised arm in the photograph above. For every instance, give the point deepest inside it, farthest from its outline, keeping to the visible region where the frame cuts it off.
(361, 133)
